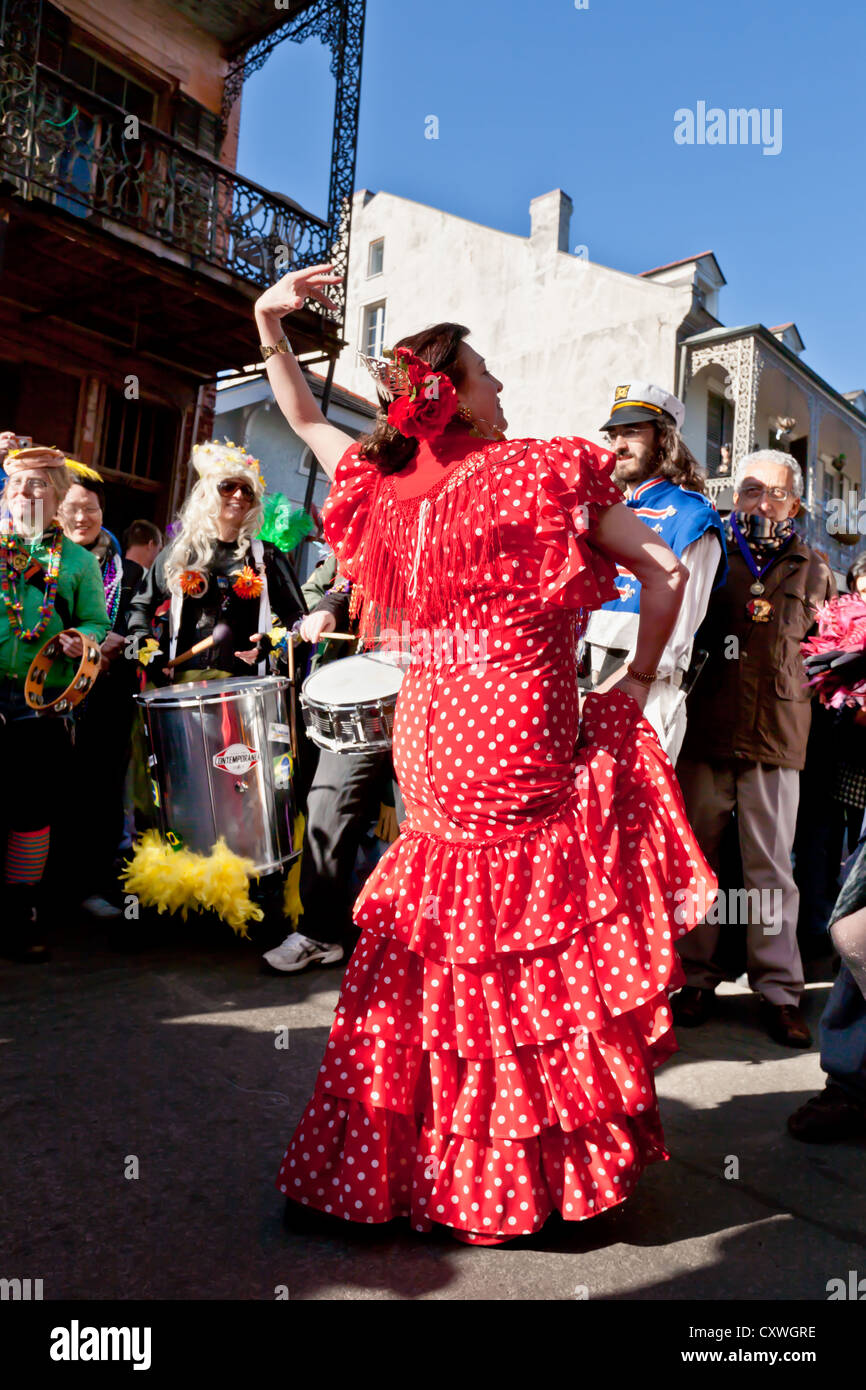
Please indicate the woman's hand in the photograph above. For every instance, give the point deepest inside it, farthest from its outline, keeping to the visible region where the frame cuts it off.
(71, 644)
(252, 656)
(315, 625)
(288, 383)
(112, 647)
(636, 689)
(294, 289)
(8, 441)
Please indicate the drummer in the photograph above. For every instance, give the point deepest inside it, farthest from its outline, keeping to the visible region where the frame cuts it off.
(215, 580)
(347, 793)
(49, 583)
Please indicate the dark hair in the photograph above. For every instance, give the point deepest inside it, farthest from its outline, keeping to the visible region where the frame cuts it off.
(857, 570)
(141, 533)
(673, 458)
(438, 346)
(92, 484)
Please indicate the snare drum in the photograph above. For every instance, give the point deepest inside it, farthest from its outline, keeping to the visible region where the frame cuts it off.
(348, 706)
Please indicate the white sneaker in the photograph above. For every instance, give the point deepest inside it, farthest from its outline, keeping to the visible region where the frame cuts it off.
(97, 906)
(297, 952)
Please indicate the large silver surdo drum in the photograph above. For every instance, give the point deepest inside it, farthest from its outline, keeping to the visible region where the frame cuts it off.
(220, 764)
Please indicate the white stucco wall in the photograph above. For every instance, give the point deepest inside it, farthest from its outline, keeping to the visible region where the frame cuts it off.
(559, 331)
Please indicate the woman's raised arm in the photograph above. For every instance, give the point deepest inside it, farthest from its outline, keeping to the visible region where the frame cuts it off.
(288, 382)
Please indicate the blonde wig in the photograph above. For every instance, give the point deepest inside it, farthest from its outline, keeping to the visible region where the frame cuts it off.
(193, 546)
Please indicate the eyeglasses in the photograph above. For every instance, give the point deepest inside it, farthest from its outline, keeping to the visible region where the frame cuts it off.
(228, 488)
(73, 512)
(28, 486)
(753, 492)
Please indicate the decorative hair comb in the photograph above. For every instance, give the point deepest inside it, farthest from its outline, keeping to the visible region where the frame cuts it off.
(390, 376)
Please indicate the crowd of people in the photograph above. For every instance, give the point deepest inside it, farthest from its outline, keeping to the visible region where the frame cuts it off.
(586, 829)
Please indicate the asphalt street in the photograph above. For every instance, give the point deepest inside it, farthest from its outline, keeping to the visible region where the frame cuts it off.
(145, 1108)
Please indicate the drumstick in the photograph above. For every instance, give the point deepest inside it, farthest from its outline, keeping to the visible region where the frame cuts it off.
(337, 637)
(290, 654)
(193, 651)
(220, 633)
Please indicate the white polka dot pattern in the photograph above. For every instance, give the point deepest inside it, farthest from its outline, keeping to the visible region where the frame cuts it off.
(492, 1055)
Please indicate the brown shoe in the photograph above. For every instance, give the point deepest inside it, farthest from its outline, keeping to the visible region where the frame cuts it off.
(785, 1024)
(828, 1117)
(691, 1006)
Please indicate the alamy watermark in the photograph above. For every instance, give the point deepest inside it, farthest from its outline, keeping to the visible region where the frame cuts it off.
(731, 907)
(846, 518)
(737, 126)
(439, 646)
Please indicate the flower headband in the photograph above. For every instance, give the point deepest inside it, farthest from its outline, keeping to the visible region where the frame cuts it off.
(211, 459)
(423, 402)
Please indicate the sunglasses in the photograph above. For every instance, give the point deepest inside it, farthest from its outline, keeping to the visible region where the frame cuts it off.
(228, 488)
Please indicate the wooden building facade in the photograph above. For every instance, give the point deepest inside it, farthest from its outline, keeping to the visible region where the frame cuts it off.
(131, 248)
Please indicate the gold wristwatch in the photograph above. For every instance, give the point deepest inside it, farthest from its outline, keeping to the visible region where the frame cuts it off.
(268, 351)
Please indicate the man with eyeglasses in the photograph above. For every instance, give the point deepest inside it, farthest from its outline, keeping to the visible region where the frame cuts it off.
(748, 723)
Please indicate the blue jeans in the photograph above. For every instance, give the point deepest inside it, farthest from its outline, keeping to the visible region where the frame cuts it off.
(843, 1022)
(843, 1036)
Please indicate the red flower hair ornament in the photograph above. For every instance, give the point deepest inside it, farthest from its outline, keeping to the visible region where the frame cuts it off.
(425, 401)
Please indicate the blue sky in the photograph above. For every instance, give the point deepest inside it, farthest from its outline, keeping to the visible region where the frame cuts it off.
(539, 95)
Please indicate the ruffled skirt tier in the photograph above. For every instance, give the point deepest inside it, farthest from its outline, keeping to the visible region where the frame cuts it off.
(489, 1066)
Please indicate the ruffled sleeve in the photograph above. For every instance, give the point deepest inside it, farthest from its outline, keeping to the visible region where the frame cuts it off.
(574, 487)
(348, 509)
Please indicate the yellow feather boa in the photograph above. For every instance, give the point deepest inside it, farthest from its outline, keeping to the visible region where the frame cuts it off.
(292, 905)
(182, 881)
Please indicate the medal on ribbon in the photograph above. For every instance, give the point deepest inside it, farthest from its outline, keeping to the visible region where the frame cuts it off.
(759, 609)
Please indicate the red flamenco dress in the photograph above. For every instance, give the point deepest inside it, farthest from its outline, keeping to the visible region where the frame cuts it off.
(492, 1054)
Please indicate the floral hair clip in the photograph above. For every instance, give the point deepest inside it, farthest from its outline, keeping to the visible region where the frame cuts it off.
(423, 402)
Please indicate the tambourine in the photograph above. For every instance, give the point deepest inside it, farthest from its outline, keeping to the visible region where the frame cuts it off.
(88, 670)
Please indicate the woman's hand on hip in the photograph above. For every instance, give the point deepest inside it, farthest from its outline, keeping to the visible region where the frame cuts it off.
(636, 689)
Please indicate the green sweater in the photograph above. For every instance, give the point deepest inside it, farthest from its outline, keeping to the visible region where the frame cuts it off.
(80, 603)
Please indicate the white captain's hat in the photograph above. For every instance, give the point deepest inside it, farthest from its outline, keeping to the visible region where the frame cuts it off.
(639, 401)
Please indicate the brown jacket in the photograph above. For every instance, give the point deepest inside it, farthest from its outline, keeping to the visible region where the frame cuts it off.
(750, 700)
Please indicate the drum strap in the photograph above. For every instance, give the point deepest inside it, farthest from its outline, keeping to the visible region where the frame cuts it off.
(174, 623)
(258, 553)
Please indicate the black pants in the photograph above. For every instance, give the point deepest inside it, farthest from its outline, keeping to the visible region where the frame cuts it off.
(100, 759)
(34, 753)
(344, 798)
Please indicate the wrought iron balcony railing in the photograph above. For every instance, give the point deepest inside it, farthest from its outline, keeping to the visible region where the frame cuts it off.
(61, 143)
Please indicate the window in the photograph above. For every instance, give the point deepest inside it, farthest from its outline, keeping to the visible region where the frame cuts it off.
(107, 82)
(375, 257)
(139, 438)
(834, 488)
(373, 336)
(720, 420)
(194, 125)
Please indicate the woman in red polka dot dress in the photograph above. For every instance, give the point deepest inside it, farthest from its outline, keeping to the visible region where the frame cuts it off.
(492, 1056)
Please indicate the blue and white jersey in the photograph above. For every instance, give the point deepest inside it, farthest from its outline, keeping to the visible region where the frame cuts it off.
(682, 519)
(679, 517)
